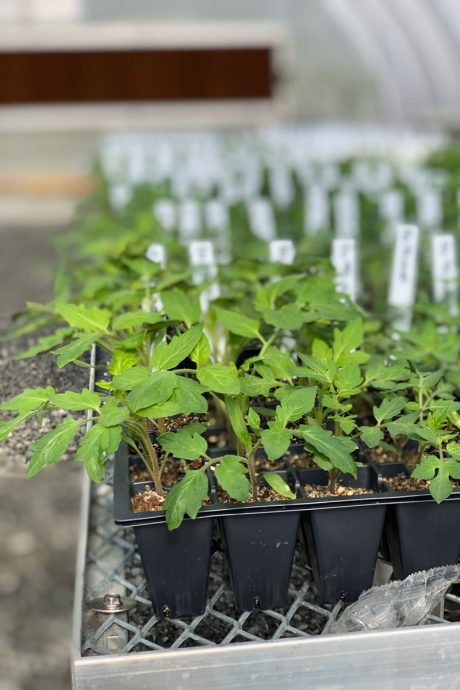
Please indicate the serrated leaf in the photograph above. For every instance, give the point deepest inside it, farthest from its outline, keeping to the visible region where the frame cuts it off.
(295, 402)
(154, 390)
(180, 307)
(186, 398)
(72, 351)
(113, 414)
(238, 323)
(288, 317)
(122, 361)
(76, 401)
(184, 443)
(131, 378)
(96, 446)
(371, 435)
(45, 344)
(30, 399)
(169, 355)
(253, 386)
(50, 448)
(7, 427)
(201, 353)
(347, 340)
(89, 319)
(135, 319)
(348, 380)
(275, 442)
(220, 378)
(280, 364)
(388, 409)
(253, 419)
(186, 498)
(315, 369)
(441, 486)
(278, 484)
(426, 468)
(335, 448)
(231, 475)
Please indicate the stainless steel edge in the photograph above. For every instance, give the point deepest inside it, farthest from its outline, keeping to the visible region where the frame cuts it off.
(425, 658)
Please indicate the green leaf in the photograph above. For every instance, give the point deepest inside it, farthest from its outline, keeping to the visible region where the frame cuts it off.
(255, 385)
(184, 443)
(335, 448)
(238, 323)
(278, 484)
(454, 450)
(220, 378)
(348, 380)
(288, 317)
(384, 377)
(169, 355)
(201, 353)
(131, 378)
(186, 498)
(89, 319)
(86, 400)
(72, 351)
(45, 343)
(7, 427)
(441, 486)
(231, 474)
(30, 399)
(236, 417)
(347, 340)
(122, 361)
(154, 390)
(253, 419)
(180, 307)
(280, 363)
(388, 409)
(186, 398)
(135, 319)
(96, 446)
(276, 442)
(296, 402)
(427, 467)
(113, 414)
(371, 435)
(315, 369)
(50, 448)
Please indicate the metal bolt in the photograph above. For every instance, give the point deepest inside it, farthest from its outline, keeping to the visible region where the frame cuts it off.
(111, 603)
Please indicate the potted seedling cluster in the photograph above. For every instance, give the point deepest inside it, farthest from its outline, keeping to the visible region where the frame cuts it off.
(256, 403)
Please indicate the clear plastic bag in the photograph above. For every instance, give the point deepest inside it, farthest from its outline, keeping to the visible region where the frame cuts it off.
(398, 604)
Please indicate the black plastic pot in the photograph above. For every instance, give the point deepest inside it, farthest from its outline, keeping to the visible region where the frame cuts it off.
(260, 551)
(343, 542)
(420, 534)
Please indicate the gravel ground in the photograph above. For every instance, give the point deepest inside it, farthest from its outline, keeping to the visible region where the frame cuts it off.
(38, 517)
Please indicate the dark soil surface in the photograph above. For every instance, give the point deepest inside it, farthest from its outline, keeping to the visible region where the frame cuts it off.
(39, 516)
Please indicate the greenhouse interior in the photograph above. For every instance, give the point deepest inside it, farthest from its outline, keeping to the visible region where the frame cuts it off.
(230, 345)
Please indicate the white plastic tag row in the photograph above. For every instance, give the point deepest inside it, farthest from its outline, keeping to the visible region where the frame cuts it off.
(391, 206)
(429, 208)
(281, 185)
(119, 194)
(261, 219)
(165, 211)
(203, 263)
(216, 215)
(403, 279)
(189, 219)
(157, 254)
(445, 271)
(345, 261)
(282, 251)
(346, 214)
(316, 210)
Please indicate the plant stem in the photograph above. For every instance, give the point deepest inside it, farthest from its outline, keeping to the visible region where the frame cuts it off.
(333, 480)
(252, 475)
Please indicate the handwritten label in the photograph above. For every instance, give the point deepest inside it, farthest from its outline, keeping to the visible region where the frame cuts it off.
(261, 219)
(403, 279)
(345, 261)
(164, 210)
(445, 271)
(216, 215)
(281, 185)
(429, 208)
(346, 214)
(189, 219)
(316, 210)
(282, 251)
(119, 194)
(157, 254)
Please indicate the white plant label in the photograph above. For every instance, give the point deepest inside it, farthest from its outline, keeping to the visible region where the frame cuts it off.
(316, 210)
(189, 219)
(346, 213)
(282, 251)
(403, 279)
(164, 210)
(261, 219)
(156, 254)
(345, 261)
(429, 208)
(120, 194)
(203, 263)
(216, 215)
(281, 186)
(391, 206)
(445, 271)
